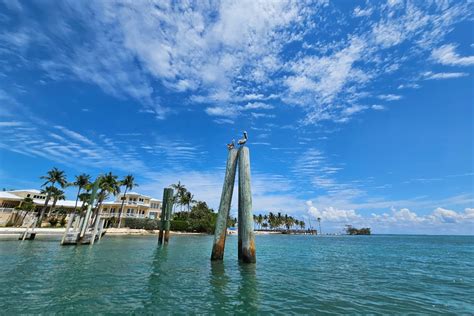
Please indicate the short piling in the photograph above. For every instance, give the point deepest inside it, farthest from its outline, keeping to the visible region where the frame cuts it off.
(85, 224)
(224, 206)
(169, 210)
(246, 233)
(68, 227)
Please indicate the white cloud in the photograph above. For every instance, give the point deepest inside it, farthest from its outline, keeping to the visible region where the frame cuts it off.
(377, 107)
(331, 214)
(390, 97)
(221, 111)
(443, 75)
(358, 12)
(447, 55)
(224, 121)
(409, 85)
(10, 124)
(354, 109)
(261, 115)
(256, 106)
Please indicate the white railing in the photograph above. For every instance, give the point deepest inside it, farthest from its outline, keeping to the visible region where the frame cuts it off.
(124, 215)
(6, 209)
(137, 203)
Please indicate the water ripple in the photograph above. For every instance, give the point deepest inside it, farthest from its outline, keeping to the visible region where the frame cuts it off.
(293, 275)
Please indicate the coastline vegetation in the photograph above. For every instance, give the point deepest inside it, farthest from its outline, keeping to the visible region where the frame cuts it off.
(355, 231)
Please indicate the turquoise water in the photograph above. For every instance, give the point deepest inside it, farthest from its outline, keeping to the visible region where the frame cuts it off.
(293, 275)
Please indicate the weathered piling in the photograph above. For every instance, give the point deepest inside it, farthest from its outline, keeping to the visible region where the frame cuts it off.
(85, 224)
(169, 210)
(68, 227)
(224, 206)
(98, 220)
(246, 233)
(166, 208)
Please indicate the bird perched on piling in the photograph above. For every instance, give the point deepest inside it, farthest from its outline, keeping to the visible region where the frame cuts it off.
(242, 141)
(231, 145)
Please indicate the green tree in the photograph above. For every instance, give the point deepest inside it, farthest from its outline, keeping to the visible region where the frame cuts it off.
(187, 199)
(260, 220)
(84, 197)
(81, 182)
(302, 224)
(180, 190)
(108, 184)
(199, 219)
(56, 195)
(272, 221)
(129, 183)
(279, 220)
(52, 177)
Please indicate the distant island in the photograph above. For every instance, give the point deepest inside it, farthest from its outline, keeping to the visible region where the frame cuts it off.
(355, 231)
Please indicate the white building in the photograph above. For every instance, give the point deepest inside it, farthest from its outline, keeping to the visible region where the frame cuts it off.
(136, 205)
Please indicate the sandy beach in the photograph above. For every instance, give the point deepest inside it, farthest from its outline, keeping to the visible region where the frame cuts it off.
(9, 231)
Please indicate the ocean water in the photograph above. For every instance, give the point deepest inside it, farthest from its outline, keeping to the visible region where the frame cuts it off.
(293, 275)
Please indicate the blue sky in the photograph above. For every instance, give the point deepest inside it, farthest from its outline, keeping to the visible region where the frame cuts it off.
(358, 112)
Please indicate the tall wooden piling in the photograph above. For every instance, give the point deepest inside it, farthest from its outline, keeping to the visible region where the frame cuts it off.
(166, 208)
(246, 233)
(224, 206)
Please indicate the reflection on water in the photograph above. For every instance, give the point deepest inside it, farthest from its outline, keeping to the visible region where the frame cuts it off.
(155, 293)
(235, 296)
(248, 294)
(219, 283)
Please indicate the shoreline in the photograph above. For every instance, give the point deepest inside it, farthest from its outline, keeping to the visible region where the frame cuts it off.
(11, 231)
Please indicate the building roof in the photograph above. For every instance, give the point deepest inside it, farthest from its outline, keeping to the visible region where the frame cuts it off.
(27, 190)
(7, 195)
(136, 193)
(65, 203)
(112, 203)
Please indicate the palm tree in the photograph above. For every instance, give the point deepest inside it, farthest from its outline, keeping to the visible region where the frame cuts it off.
(279, 219)
(180, 192)
(81, 182)
(302, 224)
(187, 199)
(129, 183)
(271, 220)
(57, 195)
(260, 220)
(108, 184)
(319, 222)
(52, 177)
(48, 191)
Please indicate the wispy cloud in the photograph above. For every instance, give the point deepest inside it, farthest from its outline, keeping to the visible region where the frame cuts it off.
(231, 60)
(443, 75)
(390, 97)
(447, 55)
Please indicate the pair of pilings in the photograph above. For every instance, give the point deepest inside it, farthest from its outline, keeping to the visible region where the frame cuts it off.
(166, 209)
(246, 236)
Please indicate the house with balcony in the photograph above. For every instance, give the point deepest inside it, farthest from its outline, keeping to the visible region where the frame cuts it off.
(136, 205)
